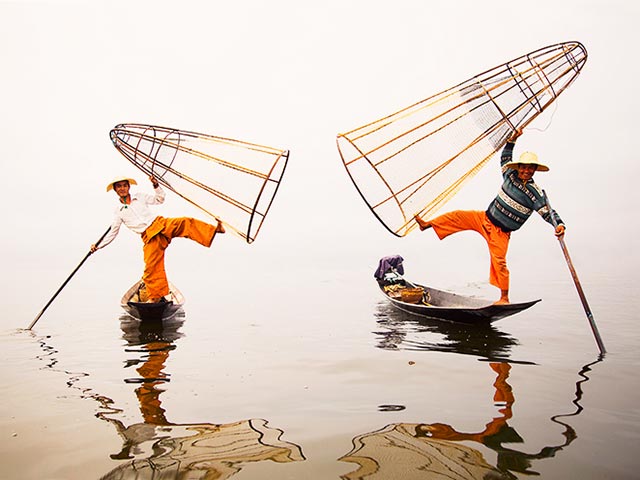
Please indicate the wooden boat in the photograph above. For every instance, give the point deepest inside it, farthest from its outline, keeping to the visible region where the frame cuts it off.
(132, 304)
(441, 305)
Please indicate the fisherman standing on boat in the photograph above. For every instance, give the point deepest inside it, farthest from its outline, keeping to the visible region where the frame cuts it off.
(511, 208)
(156, 231)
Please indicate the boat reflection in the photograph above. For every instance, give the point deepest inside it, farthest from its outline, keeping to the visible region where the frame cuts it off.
(436, 451)
(403, 331)
(158, 448)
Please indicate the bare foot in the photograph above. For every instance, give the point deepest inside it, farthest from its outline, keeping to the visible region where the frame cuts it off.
(502, 301)
(421, 223)
(220, 227)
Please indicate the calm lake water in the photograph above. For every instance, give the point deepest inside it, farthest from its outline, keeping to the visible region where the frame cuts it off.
(295, 367)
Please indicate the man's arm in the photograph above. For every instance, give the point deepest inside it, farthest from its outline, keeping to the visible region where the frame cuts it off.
(113, 232)
(551, 216)
(158, 192)
(507, 151)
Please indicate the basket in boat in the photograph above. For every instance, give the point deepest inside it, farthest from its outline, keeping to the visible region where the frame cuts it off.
(411, 295)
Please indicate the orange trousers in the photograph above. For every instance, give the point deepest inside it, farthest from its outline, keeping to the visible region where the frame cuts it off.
(156, 239)
(497, 239)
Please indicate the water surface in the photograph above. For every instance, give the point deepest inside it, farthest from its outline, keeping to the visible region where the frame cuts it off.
(321, 379)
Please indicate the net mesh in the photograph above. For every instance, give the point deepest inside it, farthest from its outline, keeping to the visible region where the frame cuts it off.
(230, 180)
(413, 161)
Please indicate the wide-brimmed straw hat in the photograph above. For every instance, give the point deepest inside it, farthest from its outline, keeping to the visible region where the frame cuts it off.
(528, 158)
(121, 179)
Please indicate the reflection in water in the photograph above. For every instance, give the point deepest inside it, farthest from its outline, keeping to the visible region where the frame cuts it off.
(403, 331)
(157, 448)
(137, 333)
(434, 451)
(200, 450)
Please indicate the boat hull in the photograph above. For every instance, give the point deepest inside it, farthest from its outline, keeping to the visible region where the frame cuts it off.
(152, 312)
(453, 307)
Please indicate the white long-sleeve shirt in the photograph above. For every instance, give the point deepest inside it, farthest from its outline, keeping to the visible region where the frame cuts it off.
(137, 216)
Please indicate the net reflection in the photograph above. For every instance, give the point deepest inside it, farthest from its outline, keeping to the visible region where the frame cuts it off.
(158, 448)
(403, 331)
(436, 451)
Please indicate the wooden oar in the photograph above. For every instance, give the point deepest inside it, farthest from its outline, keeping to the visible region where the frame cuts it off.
(66, 281)
(583, 299)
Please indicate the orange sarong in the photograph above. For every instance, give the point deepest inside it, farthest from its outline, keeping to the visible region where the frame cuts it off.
(157, 238)
(497, 239)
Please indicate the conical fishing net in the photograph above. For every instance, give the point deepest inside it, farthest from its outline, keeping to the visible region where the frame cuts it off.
(230, 180)
(415, 160)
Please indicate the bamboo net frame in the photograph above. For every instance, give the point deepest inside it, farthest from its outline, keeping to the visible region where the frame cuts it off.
(230, 180)
(414, 160)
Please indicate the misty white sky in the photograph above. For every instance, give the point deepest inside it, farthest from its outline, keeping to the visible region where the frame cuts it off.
(293, 74)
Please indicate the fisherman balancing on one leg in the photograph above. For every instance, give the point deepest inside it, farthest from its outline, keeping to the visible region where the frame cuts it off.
(516, 200)
(156, 231)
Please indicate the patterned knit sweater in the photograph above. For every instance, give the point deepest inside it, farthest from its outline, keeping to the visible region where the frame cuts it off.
(517, 200)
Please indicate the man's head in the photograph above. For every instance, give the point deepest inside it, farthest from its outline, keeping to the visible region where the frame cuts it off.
(121, 183)
(527, 165)
(122, 188)
(526, 171)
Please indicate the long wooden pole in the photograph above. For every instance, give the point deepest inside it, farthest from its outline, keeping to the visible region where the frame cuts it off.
(583, 298)
(66, 281)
